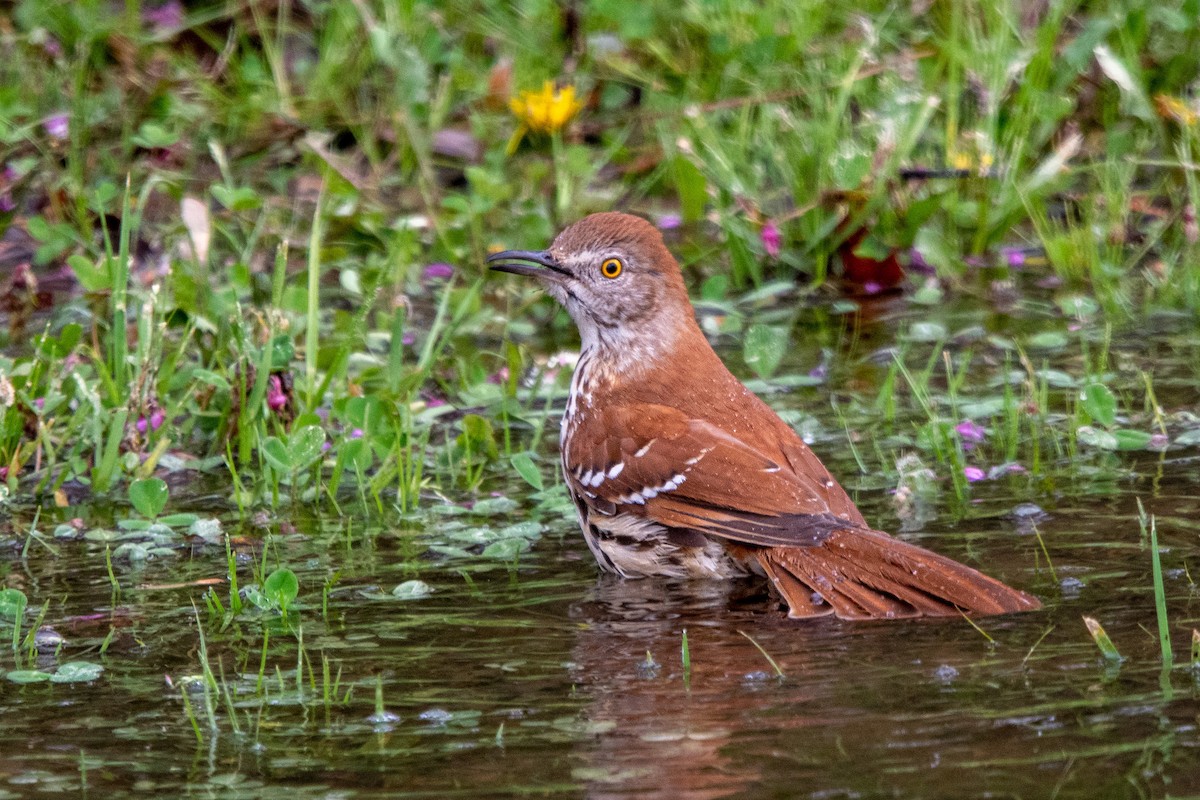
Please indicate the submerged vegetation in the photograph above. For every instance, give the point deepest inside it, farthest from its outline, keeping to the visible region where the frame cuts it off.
(251, 359)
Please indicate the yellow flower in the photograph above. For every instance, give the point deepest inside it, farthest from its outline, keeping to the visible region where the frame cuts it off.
(545, 111)
(1176, 110)
(971, 153)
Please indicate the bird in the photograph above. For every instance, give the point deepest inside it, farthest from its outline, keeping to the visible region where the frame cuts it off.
(677, 470)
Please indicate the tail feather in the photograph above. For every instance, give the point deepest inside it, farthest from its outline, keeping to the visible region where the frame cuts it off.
(863, 574)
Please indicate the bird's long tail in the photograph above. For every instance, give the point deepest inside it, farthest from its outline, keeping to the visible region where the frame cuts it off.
(865, 574)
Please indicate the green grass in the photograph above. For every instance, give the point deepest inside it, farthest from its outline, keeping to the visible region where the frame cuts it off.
(250, 200)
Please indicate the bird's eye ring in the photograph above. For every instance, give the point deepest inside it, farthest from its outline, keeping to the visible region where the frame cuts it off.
(611, 268)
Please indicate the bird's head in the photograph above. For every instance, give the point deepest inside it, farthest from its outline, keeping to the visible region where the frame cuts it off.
(616, 278)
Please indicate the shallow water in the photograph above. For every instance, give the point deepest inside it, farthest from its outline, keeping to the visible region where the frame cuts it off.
(536, 677)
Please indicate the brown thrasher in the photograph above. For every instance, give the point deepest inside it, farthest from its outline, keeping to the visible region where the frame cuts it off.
(678, 470)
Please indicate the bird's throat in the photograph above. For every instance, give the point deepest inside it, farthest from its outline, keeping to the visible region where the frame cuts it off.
(616, 355)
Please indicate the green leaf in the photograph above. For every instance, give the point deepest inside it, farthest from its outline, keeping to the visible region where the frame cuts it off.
(844, 306)
(480, 534)
(850, 168)
(477, 436)
(281, 587)
(282, 352)
(1047, 340)
(1078, 305)
(92, 276)
(28, 676)
(412, 590)
(1131, 440)
(1100, 637)
(925, 332)
(148, 496)
(304, 445)
(105, 193)
(68, 337)
(529, 529)
(936, 435)
(983, 408)
(931, 243)
(177, 520)
(77, 672)
(241, 199)
(152, 136)
(1056, 378)
(528, 470)
(506, 549)
(491, 506)
(211, 378)
(1099, 403)
(692, 189)
(355, 453)
(764, 348)
(930, 294)
(715, 288)
(872, 247)
(12, 603)
(256, 598)
(1094, 437)
(132, 552)
(276, 454)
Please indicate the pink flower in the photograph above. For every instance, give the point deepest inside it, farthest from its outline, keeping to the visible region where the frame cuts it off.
(437, 271)
(408, 338)
(58, 126)
(157, 418)
(166, 17)
(356, 433)
(142, 425)
(772, 240)
(969, 432)
(276, 399)
(1013, 256)
(917, 263)
(974, 474)
(669, 222)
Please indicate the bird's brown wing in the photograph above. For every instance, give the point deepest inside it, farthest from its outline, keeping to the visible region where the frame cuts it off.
(687, 473)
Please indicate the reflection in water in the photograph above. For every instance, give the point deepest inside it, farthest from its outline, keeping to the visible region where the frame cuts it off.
(663, 735)
(930, 708)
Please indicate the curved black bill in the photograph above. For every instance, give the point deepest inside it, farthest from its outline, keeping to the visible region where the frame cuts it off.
(521, 262)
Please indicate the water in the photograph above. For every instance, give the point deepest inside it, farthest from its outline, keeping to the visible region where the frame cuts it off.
(536, 677)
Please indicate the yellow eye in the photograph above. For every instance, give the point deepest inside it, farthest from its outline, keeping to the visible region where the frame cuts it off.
(611, 268)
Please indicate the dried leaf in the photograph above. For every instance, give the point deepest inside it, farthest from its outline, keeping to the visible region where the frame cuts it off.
(1056, 162)
(199, 226)
(1119, 74)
